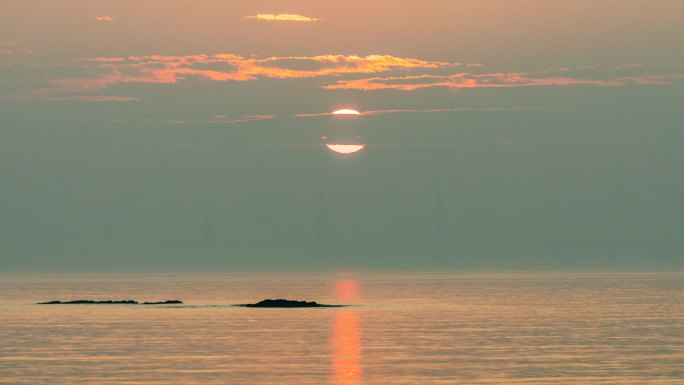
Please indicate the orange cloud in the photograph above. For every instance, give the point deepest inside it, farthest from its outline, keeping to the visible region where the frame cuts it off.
(280, 67)
(281, 17)
(216, 119)
(430, 110)
(341, 72)
(69, 98)
(221, 119)
(104, 18)
(228, 67)
(499, 80)
(91, 98)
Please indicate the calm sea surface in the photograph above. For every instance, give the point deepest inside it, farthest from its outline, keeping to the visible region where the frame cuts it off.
(442, 328)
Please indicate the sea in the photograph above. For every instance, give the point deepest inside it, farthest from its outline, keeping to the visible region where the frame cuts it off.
(429, 328)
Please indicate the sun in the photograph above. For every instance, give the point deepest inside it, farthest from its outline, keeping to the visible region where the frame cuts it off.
(345, 149)
(346, 112)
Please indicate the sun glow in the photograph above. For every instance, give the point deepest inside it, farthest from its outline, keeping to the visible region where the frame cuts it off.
(347, 289)
(345, 148)
(346, 112)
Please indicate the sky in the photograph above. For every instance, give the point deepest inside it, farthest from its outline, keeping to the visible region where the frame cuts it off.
(168, 135)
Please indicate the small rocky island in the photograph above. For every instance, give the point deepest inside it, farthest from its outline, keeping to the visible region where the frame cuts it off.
(285, 303)
(109, 302)
(167, 302)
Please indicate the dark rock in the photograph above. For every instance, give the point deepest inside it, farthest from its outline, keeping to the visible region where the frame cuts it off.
(169, 302)
(285, 303)
(91, 302)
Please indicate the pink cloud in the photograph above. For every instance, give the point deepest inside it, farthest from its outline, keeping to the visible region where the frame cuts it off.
(104, 18)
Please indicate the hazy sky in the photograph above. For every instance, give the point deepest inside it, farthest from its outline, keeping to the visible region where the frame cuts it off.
(164, 134)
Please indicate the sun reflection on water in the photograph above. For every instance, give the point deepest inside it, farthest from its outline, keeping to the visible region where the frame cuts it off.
(347, 346)
(346, 338)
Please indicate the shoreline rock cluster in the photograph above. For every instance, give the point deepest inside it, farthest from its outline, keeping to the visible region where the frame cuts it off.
(267, 303)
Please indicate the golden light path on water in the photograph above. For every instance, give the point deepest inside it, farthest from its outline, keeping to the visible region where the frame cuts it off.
(347, 337)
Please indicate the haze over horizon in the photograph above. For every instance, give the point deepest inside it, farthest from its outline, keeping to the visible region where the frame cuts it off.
(166, 136)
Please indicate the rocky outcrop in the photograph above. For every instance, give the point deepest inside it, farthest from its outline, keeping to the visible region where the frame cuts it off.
(91, 302)
(110, 302)
(286, 303)
(168, 302)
